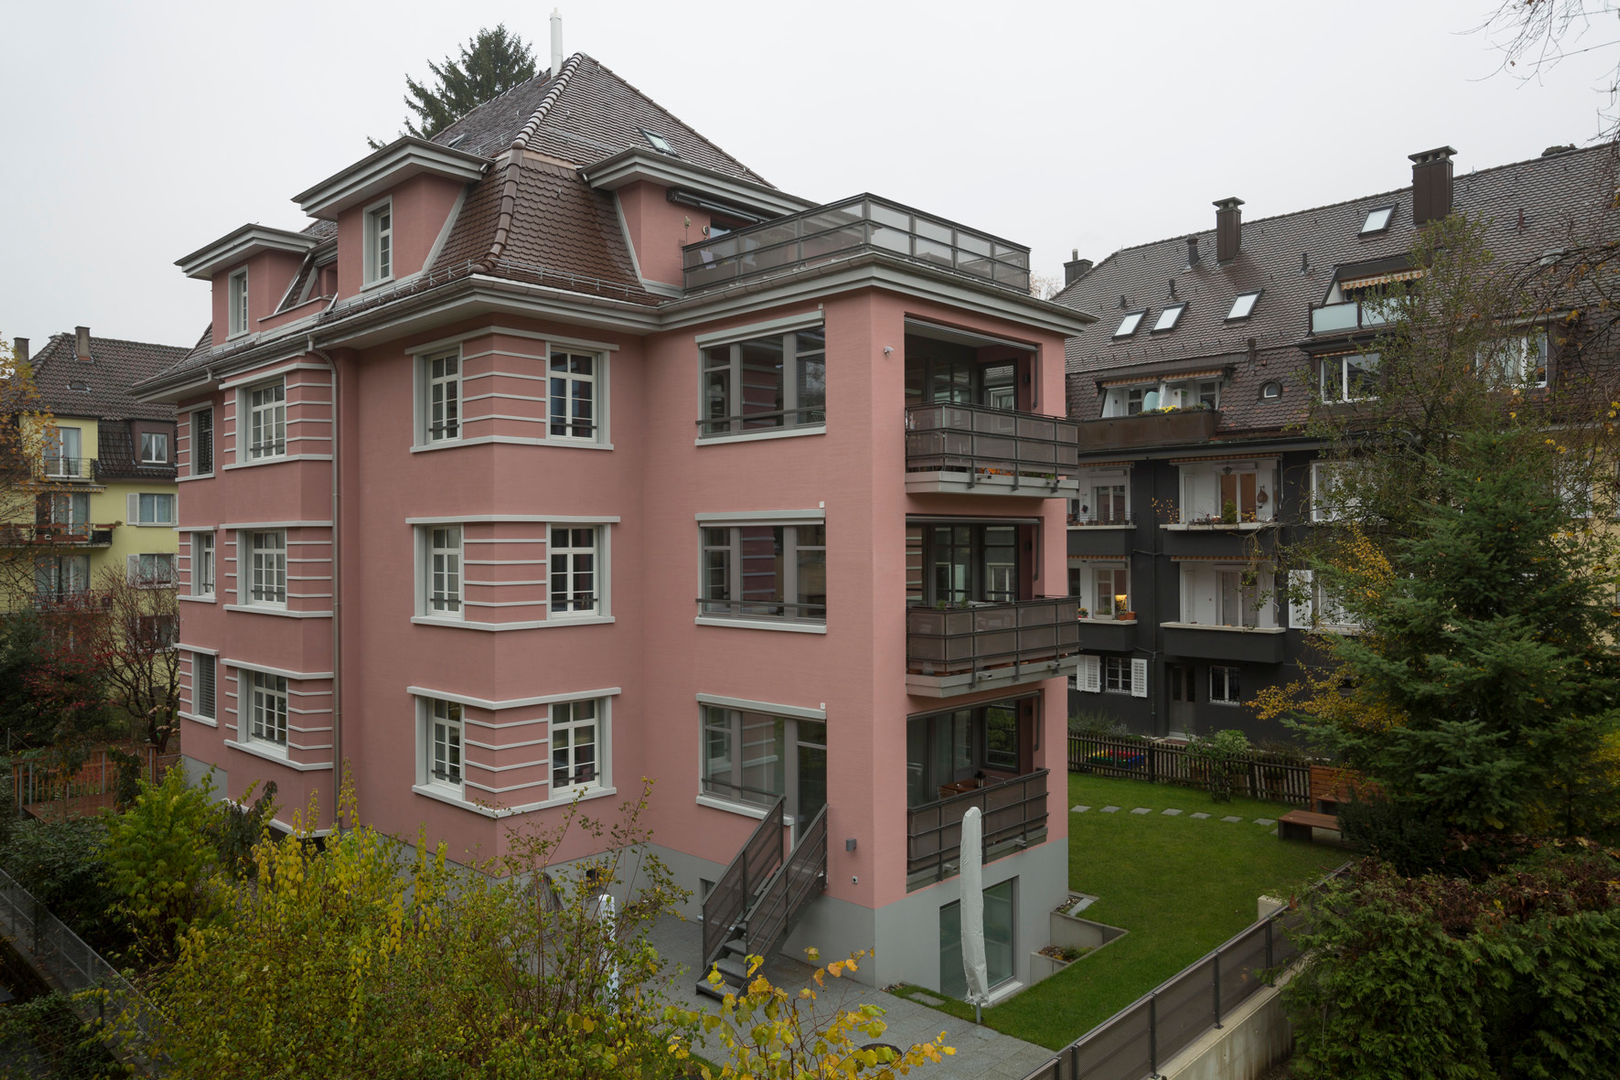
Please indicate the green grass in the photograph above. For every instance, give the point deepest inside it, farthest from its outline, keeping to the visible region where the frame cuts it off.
(1180, 886)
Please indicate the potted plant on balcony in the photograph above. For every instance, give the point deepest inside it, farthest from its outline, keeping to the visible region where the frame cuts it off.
(1229, 512)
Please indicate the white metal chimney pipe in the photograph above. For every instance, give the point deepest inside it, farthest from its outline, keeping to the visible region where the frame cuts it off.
(556, 42)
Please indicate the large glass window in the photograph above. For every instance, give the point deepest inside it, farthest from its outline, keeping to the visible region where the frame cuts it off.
(951, 752)
(999, 921)
(59, 578)
(766, 571)
(1350, 377)
(267, 708)
(573, 395)
(765, 383)
(267, 568)
(63, 447)
(755, 758)
(267, 421)
(1111, 590)
(960, 564)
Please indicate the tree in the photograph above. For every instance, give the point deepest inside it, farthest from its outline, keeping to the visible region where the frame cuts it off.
(1535, 35)
(491, 62)
(1474, 553)
(132, 644)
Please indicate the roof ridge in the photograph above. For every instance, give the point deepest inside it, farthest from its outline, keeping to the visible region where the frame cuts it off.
(514, 160)
(536, 118)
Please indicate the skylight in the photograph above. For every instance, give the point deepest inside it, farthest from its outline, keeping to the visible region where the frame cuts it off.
(1377, 220)
(1243, 306)
(659, 143)
(1169, 317)
(1128, 325)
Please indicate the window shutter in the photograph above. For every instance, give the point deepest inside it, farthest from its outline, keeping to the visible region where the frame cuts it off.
(132, 569)
(132, 508)
(1299, 599)
(1139, 676)
(1090, 674)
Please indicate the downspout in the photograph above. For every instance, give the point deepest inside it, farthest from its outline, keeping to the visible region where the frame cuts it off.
(337, 583)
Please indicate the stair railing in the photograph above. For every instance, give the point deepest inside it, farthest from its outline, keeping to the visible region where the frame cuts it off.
(760, 856)
(801, 878)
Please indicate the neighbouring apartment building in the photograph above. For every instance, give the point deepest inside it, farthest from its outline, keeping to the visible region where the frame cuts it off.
(563, 450)
(1191, 399)
(104, 489)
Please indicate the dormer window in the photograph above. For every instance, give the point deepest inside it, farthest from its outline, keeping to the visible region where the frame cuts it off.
(380, 242)
(1128, 325)
(154, 448)
(237, 302)
(1168, 318)
(1243, 306)
(659, 143)
(1377, 220)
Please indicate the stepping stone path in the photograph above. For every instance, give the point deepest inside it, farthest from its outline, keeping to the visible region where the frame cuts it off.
(1170, 813)
(1231, 819)
(1110, 809)
(1078, 809)
(1199, 814)
(1142, 810)
(927, 999)
(1265, 821)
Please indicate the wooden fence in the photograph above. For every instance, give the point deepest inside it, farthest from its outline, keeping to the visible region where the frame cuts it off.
(1255, 775)
(43, 789)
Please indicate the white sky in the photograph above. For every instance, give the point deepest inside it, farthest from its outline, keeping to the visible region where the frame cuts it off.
(137, 132)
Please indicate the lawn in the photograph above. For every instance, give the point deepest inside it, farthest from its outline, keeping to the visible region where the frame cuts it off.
(1180, 886)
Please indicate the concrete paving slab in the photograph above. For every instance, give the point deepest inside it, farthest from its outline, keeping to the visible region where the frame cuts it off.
(1142, 810)
(1110, 809)
(1199, 814)
(1172, 812)
(1078, 809)
(1265, 821)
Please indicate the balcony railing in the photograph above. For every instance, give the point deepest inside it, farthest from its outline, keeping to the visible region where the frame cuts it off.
(1149, 429)
(840, 229)
(965, 647)
(1031, 452)
(77, 534)
(60, 467)
(1351, 315)
(1014, 817)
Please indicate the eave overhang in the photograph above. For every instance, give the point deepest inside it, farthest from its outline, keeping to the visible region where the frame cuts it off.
(634, 165)
(239, 245)
(400, 160)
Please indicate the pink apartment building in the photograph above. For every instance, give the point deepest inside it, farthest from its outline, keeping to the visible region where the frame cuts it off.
(563, 450)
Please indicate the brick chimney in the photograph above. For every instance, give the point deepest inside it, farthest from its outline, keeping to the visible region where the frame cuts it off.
(1431, 184)
(1228, 229)
(1192, 252)
(1075, 268)
(19, 350)
(83, 335)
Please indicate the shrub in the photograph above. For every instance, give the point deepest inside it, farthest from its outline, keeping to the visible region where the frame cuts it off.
(62, 865)
(1223, 755)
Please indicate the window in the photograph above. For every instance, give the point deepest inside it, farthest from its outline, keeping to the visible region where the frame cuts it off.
(267, 707)
(153, 508)
(1333, 496)
(1238, 599)
(1223, 686)
(658, 142)
(63, 514)
(1228, 492)
(1311, 606)
(575, 738)
(756, 758)
(154, 632)
(60, 578)
(441, 587)
(1350, 377)
(380, 242)
(1516, 361)
(765, 384)
(1173, 393)
(574, 570)
(202, 564)
(267, 568)
(1270, 391)
(237, 303)
(267, 421)
(1108, 505)
(1243, 305)
(1112, 674)
(1168, 318)
(202, 685)
(444, 732)
(152, 570)
(1000, 935)
(441, 398)
(1127, 325)
(154, 448)
(62, 453)
(573, 395)
(765, 571)
(1110, 590)
(202, 442)
(1116, 674)
(1377, 220)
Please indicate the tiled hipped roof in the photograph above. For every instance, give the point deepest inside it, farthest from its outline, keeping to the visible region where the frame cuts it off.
(100, 388)
(1531, 206)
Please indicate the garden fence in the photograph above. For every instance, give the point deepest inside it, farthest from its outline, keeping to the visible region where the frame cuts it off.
(1255, 775)
(99, 993)
(1135, 1041)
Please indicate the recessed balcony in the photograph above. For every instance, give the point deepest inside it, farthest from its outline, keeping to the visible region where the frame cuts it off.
(1014, 818)
(78, 535)
(1171, 427)
(1352, 315)
(962, 650)
(977, 450)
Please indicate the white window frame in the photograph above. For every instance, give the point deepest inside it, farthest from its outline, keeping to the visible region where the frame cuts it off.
(1089, 676)
(432, 431)
(265, 713)
(145, 570)
(58, 462)
(1506, 362)
(1325, 508)
(262, 416)
(569, 552)
(138, 503)
(1336, 370)
(266, 562)
(201, 437)
(444, 744)
(157, 441)
(1208, 474)
(201, 662)
(204, 565)
(379, 241)
(1085, 509)
(1229, 674)
(596, 379)
(732, 607)
(236, 302)
(1116, 675)
(562, 728)
(441, 562)
(1092, 597)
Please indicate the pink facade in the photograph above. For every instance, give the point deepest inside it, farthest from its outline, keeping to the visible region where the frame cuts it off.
(529, 543)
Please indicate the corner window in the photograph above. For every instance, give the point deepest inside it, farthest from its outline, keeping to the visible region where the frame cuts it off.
(576, 580)
(380, 242)
(202, 564)
(440, 561)
(203, 685)
(267, 568)
(266, 407)
(267, 707)
(440, 404)
(154, 448)
(573, 397)
(1376, 222)
(202, 442)
(1350, 377)
(1127, 325)
(236, 305)
(765, 384)
(765, 572)
(1223, 686)
(1243, 306)
(151, 570)
(577, 740)
(1168, 318)
(442, 739)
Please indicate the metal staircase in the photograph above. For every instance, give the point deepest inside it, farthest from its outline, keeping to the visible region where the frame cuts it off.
(758, 898)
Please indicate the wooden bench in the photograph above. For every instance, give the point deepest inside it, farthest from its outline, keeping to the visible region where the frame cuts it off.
(1297, 824)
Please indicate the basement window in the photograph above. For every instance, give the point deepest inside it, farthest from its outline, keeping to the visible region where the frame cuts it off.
(1243, 306)
(1378, 219)
(659, 143)
(1168, 318)
(1128, 325)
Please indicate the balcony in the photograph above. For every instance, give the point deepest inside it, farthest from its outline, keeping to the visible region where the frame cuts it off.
(977, 450)
(58, 467)
(81, 534)
(854, 226)
(1253, 644)
(1351, 315)
(1149, 429)
(1108, 539)
(1014, 817)
(1107, 635)
(952, 651)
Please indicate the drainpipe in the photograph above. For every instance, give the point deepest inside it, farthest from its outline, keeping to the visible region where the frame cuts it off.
(337, 581)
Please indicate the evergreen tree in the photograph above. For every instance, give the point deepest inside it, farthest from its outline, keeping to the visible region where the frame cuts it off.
(491, 62)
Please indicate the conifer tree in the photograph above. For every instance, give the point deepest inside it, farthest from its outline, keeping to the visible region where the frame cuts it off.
(491, 62)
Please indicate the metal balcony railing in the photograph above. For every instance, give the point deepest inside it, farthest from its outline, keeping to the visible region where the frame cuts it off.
(973, 639)
(1014, 816)
(840, 229)
(979, 439)
(62, 467)
(74, 534)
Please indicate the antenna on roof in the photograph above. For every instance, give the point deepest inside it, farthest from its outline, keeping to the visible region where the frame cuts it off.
(556, 42)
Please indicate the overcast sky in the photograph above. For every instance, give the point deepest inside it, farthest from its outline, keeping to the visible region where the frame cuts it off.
(137, 132)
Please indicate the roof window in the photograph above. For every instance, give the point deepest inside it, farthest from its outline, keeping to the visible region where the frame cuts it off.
(1169, 317)
(659, 143)
(1243, 306)
(1128, 325)
(1378, 219)
(81, 387)
(1271, 391)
